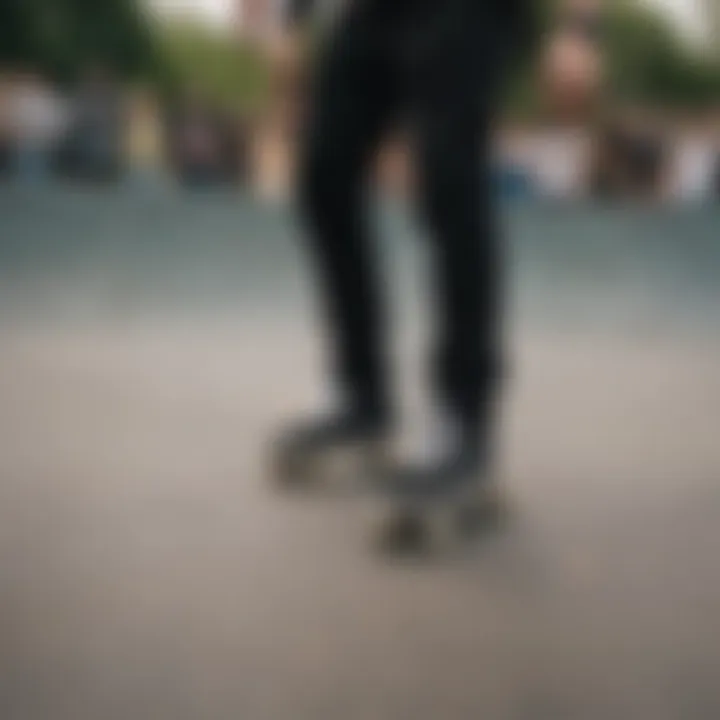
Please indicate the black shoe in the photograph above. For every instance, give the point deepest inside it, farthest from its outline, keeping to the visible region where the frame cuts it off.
(333, 448)
(449, 497)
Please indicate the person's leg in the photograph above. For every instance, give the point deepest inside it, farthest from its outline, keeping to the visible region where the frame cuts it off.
(449, 493)
(453, 106)
(350, 109)
(459, 206)
(456, 106)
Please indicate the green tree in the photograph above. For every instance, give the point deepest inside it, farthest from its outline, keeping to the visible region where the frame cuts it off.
(231, 72)
(650, 63)
(59, 37)
(711, 17)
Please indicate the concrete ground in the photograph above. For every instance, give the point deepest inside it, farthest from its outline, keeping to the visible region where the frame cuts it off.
(149, 571)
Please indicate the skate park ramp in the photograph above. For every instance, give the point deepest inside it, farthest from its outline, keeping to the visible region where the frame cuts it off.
(151, 344)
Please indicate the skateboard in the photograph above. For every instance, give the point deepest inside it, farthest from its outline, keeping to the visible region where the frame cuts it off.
(442, 526)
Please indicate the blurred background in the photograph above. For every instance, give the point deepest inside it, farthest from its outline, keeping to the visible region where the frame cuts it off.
(186, 91)
(157, 325)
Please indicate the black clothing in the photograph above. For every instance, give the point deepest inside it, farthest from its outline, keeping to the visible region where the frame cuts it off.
(520, 19)
(438, 67)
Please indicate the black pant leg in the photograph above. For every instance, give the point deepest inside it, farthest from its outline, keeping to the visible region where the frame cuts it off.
(455, 106)
(350, 108)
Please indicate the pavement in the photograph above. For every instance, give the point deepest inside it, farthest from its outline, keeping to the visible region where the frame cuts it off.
(149, 570)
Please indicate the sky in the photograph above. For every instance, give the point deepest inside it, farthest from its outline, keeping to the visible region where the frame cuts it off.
(220, 12)
(216, 11)
(686, 11)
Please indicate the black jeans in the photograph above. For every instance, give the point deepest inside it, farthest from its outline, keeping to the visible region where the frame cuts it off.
(436, 67)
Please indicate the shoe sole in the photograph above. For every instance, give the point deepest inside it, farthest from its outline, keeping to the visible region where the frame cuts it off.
(341, 469)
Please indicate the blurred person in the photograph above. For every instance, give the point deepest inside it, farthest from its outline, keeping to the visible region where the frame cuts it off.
(39, 117)
(437, 66)
(276, 128)
(6, 125)
(270, 160)
(572, 81)
(561, 159)
(631, 159)
(196, 142)
(714, 121)
(98, 127)
(236, 139)
(693, 162)
(572, 69)
(515, 173)
(145, 138)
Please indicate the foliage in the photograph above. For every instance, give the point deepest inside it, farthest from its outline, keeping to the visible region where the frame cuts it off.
(649, 63)
(59, 37)
(647, 60)
(228, 71)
